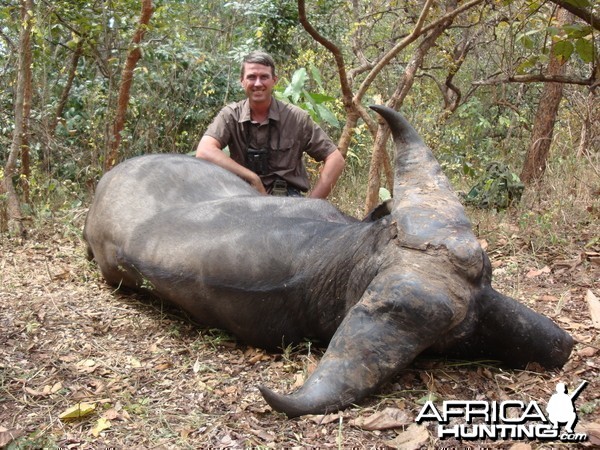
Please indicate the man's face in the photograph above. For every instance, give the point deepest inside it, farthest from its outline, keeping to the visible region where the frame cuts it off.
(258, 82)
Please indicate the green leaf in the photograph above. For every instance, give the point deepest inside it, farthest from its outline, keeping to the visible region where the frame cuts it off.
(430, 397)
(306, 106)
(80, 410)
(563, 50)
(553, 31)
(328, 116)
(527, 42)
(294, 89)
(577, 30)
(321, 98)
(585, 50)
(309, 97)
(299, 78)
(526, 39)
(468, 169)
(529, 63)
(316, 76)
(384, 194)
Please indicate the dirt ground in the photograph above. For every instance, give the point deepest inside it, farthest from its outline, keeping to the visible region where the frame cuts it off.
(85, 366)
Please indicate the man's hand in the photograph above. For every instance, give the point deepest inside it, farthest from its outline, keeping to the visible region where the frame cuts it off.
(210, 149)
(256, 183)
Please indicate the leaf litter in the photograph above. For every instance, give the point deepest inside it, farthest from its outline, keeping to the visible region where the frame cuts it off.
(155, 380)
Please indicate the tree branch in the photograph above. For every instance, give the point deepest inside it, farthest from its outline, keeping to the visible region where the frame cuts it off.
(537, 78)
(135, 53)
(334, 49)
(416, 33)
(584, 14)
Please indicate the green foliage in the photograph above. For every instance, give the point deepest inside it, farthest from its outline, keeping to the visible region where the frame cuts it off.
(296, 93)
(360, 148)
(190, 68)
(36, 439)
(569, 39)
(498, 188)
(384, 195)
(476, 135)
(275, 22)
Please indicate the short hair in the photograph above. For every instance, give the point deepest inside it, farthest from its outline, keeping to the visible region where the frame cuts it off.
(258, 57)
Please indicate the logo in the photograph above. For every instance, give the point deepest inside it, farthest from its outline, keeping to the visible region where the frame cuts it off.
(510, 419)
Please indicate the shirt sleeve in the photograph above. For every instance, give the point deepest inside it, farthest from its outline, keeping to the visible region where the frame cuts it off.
(220, 128)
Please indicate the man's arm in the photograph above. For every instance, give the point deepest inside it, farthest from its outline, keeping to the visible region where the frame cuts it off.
(332, 169)
(209, 149)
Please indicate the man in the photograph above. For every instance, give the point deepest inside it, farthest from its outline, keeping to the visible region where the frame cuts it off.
(267, 138)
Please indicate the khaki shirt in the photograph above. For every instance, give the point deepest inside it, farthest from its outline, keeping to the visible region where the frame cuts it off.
(289, 129)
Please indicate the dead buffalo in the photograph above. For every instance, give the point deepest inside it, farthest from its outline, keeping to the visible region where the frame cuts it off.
(274, 270)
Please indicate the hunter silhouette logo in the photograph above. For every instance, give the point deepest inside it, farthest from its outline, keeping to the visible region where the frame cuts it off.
(561, 407)
(510, 419)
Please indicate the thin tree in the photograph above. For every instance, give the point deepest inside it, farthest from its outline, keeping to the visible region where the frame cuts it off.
(133, 57)
(62, 102)
(543, 127)
(379, 157)
(22, 107)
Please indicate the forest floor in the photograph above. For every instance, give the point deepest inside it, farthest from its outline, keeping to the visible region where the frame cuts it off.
(85, 366)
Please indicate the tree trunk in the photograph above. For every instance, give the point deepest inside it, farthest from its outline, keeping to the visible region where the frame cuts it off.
(21, 111)
(379, 158)
(27, 95)
(543, 127)
(126, 80)
(62, 103)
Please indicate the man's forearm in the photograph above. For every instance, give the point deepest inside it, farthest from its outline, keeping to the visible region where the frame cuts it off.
(209, 150)
(330, 173)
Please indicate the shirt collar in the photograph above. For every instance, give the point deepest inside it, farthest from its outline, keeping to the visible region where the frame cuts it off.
(273, 111)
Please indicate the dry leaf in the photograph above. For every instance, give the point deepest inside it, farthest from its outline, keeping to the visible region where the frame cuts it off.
(33, 392)
(86, 365)
(537, 272)
(78, 411)
(185, 433)
(587, 352)
(227, 440)
(253, 355)
(101, 425)
(7, 436)
(197, 366)
(594, 305)
(56, 387)
(163, 366)
(298, 381)
(520, 446)
(413, 437)
(383, 420)
(111, 414)
(593, 432)
(324, 419)
(135, 363)
(264, 435)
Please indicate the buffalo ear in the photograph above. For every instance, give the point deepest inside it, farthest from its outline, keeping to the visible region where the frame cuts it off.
(380, 211)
